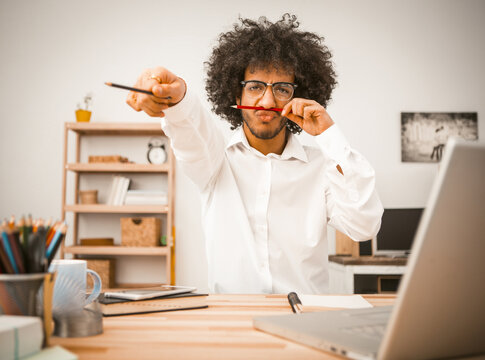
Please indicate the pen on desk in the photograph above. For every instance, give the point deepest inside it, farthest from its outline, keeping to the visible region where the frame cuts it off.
(244, 107)
(135, 89)
(295, 302)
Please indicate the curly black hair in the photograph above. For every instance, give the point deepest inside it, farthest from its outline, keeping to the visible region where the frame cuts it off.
(260, 44)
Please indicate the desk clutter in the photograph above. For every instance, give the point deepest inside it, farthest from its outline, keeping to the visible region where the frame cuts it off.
(28, 246)
(186, 301)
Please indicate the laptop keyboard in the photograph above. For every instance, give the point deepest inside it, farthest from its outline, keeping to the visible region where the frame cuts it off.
(369, 331)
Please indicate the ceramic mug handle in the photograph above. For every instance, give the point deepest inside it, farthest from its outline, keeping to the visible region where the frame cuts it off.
(96, 287)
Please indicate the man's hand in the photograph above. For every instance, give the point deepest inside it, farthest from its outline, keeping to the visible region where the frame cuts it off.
(309, 115)
(163, 84)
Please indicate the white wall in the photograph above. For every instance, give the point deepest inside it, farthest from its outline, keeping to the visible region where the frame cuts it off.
(391, 56)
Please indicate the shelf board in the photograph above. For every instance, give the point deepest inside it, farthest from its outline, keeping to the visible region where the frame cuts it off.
(117, 167)
(117, 129)
(117, 250)
(121, 209)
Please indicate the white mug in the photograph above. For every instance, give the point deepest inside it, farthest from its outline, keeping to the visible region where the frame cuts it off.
(70, 286)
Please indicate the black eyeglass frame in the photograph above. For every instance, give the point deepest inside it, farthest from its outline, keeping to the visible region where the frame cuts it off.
(293, 86)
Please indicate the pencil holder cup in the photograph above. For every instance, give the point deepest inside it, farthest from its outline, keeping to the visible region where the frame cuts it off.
(83, 115)
(88, 196)
(29, 295)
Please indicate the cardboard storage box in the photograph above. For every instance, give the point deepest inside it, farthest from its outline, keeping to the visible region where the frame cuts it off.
(140, 231)
(106, 271)
(20, 336)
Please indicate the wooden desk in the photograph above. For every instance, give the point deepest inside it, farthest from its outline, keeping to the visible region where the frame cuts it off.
(222, 331)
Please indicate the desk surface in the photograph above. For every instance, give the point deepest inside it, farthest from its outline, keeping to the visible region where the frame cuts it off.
(222, 331)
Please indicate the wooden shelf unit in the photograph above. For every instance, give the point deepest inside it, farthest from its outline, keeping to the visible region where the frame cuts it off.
(77, 168)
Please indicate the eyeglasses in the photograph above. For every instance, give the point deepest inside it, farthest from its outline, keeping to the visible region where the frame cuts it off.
(282, 91)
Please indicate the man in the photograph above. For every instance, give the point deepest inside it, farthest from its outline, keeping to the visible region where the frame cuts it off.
(266, 198)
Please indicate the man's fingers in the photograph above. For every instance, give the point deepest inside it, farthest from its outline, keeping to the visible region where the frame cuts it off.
(146, 102)
(131, 100)
(167, 89)
(175, 90)
(153, 111)
(310, 110)
(296, 119)
(155, 114)
(162, 90)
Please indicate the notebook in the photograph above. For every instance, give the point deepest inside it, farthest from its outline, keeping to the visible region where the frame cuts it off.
(117, 307)
(440, 306)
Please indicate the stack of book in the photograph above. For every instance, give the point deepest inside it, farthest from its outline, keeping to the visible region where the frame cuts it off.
(146, 197)
(118, 190)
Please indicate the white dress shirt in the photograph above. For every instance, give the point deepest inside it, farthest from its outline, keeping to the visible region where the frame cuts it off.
(265, 217)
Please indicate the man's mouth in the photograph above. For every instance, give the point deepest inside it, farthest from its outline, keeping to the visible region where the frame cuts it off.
(265, 116)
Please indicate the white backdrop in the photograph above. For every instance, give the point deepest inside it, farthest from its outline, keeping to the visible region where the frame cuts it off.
(391, 56)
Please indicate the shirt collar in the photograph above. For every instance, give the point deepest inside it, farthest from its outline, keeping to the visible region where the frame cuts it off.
(293, 148)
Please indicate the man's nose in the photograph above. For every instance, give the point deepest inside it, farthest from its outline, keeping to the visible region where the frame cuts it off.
(267, 100)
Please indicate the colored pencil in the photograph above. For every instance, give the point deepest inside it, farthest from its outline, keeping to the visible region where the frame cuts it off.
(243, 107)
(51, 233)
(56, 242)
(5, 261)
(135, 89)
(8, 251)
(17, 250)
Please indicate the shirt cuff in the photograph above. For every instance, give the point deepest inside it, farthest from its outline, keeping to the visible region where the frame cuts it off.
(182, 110)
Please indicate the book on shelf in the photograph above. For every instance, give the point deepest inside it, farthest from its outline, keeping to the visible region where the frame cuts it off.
(122, 189)
(146, 197)
(112, 190)
(118, 189)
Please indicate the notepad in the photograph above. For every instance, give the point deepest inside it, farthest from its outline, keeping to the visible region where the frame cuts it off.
(157, 305)
(334, 301)
(53, 353)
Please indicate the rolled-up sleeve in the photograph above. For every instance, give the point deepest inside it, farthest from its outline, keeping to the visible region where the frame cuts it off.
(353, 206)
(197, 142)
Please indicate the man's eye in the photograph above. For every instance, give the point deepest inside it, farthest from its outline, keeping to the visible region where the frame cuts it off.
(256, 87)
(282, 90)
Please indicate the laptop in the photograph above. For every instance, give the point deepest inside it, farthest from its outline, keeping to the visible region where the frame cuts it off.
(440, 306)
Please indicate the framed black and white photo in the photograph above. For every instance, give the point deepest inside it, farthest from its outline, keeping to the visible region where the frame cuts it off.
(424, 135)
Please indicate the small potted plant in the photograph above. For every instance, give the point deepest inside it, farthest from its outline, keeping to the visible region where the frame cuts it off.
(83, 114)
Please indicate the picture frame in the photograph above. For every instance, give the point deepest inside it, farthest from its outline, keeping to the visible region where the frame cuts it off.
(424, 134)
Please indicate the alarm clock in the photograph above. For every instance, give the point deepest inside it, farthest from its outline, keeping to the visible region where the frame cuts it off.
(156, 151)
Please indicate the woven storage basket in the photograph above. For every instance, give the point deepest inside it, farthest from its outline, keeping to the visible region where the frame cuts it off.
(106, 271)
(142, 231)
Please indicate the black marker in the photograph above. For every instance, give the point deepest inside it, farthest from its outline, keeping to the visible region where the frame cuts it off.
(295, 302)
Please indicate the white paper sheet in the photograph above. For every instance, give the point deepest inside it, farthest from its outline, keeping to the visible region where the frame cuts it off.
(337, 301)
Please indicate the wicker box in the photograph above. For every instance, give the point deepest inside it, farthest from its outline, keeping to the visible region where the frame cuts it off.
(106, 271)
(140, 231)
